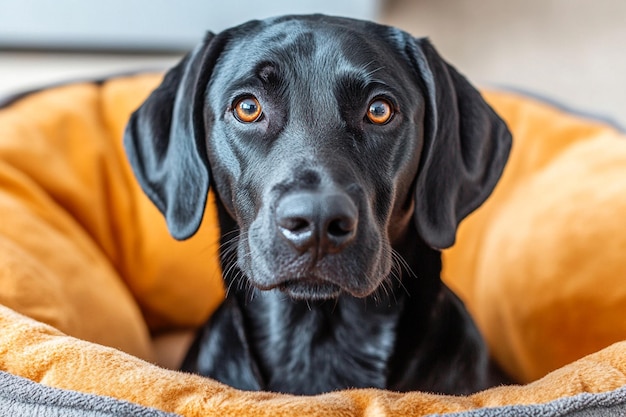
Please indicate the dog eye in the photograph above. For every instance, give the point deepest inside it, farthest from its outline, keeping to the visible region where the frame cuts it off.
(379, 111)
(247, 109)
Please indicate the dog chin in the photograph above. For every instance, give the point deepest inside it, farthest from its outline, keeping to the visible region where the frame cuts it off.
(310, 289)
(315, 289)
(314, 285)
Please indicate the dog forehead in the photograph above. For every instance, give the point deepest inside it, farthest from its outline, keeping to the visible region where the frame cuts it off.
(305, 43)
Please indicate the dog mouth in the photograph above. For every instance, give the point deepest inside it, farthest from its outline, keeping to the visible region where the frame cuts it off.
(312, 289)
(317, 282)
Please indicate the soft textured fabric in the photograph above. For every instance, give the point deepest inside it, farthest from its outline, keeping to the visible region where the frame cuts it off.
(542, 264)
(77, 232)
(20, 397)
(88, 271)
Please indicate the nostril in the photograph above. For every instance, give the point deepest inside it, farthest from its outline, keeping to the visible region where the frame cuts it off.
(341, 227)
(341, 220)
(295, 224)
(295, 220)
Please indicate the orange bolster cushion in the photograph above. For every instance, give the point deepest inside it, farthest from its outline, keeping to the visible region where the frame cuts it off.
(88, 271)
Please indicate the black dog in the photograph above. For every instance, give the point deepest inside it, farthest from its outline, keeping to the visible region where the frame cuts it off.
(344, 154)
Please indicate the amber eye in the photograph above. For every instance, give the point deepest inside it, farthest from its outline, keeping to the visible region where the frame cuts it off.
(247, 109)
(379, 111)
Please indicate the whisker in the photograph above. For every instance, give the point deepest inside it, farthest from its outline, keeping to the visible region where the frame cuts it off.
(231, 280)
(401, 265)
(404, 263)
(249, 291)
(369, 73)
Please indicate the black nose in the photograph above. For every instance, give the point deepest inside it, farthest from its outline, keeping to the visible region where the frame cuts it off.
(323, 219)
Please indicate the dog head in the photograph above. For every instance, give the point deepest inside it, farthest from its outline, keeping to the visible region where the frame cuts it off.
(326, 139)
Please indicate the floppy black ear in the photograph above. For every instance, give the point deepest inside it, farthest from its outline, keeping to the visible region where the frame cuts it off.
(165, 140)
(466, 146)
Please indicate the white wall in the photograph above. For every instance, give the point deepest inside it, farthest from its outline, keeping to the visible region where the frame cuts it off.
(145, 24)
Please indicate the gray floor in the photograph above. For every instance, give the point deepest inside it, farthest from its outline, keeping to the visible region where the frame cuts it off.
(570, 50)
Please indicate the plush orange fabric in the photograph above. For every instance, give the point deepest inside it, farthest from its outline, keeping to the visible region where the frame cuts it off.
(42, 353)
(79, 233)
(542, 264)
(88, 270)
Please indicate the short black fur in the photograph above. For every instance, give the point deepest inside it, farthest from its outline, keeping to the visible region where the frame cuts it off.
(331, 223)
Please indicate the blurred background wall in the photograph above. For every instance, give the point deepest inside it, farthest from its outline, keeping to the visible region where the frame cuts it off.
(572, 51)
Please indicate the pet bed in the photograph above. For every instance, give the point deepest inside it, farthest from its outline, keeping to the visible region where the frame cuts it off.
(88, 272)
